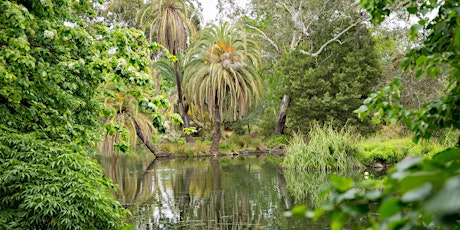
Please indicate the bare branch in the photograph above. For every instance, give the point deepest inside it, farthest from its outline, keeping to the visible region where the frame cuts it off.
(330, 41)
(264, 35)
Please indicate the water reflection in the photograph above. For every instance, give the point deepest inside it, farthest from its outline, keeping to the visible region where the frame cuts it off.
(207, 193)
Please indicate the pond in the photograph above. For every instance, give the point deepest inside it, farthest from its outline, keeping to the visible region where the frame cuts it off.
(241, 193)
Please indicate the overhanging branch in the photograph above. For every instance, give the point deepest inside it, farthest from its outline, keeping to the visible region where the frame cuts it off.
(336, 38)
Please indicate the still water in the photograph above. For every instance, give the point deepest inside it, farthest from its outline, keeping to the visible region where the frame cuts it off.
(225, 193)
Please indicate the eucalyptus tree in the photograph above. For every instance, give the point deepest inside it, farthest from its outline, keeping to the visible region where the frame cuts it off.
(221, 75)
(282, 26)
(170, 20)
(121, 12)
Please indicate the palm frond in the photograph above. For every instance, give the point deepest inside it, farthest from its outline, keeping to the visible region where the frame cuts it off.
(220, 71)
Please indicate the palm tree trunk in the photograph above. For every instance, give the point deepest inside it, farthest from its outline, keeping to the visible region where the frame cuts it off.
(182, 111)
(146, 140)
(217, 134)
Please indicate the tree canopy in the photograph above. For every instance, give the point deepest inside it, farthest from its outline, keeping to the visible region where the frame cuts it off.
(329, 87)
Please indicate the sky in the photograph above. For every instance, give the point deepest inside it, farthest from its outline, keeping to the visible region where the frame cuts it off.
(210, 11)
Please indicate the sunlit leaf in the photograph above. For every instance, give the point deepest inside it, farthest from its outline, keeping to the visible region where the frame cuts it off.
(389, 208)
(447, 155)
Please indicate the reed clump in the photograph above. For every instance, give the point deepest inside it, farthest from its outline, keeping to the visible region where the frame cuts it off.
(326, 149)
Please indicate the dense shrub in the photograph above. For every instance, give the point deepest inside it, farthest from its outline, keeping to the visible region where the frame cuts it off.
(44, 185)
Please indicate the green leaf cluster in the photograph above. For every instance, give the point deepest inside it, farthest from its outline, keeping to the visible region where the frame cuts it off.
(45, 185)
(48, 72)
(437, 56)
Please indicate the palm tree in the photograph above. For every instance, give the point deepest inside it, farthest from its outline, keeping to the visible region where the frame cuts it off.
(169, 20)
(221, 76)
(127, 123)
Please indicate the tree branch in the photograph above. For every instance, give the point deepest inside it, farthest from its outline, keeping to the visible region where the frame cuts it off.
(264, 35)
(330, 41)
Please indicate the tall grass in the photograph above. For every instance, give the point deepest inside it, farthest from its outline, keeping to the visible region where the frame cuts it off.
(327, 149)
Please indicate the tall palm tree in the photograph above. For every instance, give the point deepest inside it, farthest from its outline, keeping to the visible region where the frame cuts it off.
(221, 76)
(169, 20)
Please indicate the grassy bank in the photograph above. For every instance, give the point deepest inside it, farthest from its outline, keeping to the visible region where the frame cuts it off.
(326, 148)
(229, 145)
(376, 150)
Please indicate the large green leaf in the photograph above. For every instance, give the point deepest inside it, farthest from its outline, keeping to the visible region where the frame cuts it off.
(447, 200)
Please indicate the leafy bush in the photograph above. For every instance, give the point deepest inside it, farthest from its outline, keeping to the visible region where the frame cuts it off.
(327, 149)
(395, 150)
(53, 67)
(48, 186)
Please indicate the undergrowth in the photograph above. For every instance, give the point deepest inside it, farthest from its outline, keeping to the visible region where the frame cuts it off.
(394, 150)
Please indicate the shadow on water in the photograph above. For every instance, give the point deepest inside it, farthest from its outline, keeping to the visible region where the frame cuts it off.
(211, 193)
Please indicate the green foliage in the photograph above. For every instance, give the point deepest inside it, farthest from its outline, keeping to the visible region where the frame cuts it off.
(277, 141)
(330, 87)
(169, 21)
(419, 194)
(56, 71)
(327, 149)
(394, 150)
(122, 12)
(220, 72)
(240, 142)
(190, 130)
(48, 71)
(45, 185)
(437, 56)
(129, 107)
(266, 120)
